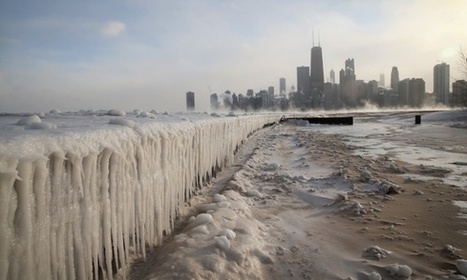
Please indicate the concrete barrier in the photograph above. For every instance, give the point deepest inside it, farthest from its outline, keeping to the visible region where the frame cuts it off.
(324, 120)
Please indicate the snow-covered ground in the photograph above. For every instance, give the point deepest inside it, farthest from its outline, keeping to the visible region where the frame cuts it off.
(302, 201)
(381, 198)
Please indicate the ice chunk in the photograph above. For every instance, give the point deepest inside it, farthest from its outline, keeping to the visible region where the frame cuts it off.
(29, 120)
(462, 266)
(398, 270)
(116, 112)
(222, 242)
(374, 252)
(219, 198)
(230, 234)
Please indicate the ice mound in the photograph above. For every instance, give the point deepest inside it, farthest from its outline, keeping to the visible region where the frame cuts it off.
(271, 167)
(145, 114)
(462, 266)
(116, 112)
(122, 122)
(29, 120)
(54, 111)
(374, 276)
(219, 198)
(450, 252)
(222, 242)
(374, 252)
(230, 234)
(397, 270)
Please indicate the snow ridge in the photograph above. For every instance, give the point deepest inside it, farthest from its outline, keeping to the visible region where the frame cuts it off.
(71, 206)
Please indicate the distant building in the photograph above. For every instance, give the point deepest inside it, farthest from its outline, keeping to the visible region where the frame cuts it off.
(348, 85)
(303, 79)
(459, 92)
(214, 101)
(271, 90)
(316, 76)
(441, 83)
(411, 92)
(332, 75)
(395, 78)
(190, 101)
(282, 87)
(382, 82)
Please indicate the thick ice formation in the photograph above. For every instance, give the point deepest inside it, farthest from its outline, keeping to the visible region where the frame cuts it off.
(71, 203)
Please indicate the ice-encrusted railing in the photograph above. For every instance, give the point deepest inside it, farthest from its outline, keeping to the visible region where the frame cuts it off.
(74, 206)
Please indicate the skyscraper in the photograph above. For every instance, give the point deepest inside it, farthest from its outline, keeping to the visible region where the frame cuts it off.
(441, 83)
(332, 75)
(303, 80)
(190, 101)
(317, 73)
(282, 88)
(395, 79)
(348, 84)
(382, 82)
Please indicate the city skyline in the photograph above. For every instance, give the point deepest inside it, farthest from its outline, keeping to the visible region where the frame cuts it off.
(83, 55)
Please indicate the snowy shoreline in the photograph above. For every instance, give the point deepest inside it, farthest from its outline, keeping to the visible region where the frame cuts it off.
(74, 184)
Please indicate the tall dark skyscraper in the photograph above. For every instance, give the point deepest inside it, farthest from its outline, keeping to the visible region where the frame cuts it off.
(316, 76)
(395, 78)
(441, 83)
(190, 101)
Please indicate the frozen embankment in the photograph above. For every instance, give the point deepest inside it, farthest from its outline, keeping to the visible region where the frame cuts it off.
(80, 194)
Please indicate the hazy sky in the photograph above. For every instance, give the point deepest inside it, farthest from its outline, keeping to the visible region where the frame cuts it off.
(147, 54)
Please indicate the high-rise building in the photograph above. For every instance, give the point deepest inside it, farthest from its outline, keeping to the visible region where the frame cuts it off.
(395, 78)
(282, 87)
(332, 75)
(316, 77)
(214, 101)
(441, 83)
(303, 80)
(348, 84)
(271, 90)
(350, 66)
(382, 79)
(190, 101)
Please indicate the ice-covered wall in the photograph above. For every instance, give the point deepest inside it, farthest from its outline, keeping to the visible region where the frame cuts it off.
(71, 203)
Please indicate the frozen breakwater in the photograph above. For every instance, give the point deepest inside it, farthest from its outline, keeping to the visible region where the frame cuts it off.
(81, 191)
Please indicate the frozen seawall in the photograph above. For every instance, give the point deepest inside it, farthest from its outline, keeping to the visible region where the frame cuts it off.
(78, 192)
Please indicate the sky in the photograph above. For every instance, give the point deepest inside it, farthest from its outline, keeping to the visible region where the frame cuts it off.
(143, 54)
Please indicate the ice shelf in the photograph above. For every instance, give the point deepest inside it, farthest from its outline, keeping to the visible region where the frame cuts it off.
(77, 199)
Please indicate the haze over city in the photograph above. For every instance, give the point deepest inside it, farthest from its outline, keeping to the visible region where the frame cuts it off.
(147, 55)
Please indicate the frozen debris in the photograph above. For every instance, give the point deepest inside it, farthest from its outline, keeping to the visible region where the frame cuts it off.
(222, 242)
(356, 208)
(146, 115)
(374, 276)
(219, 198)
(386, 187)
(122, 122)
(393, 168)
(397, 270)
(116, 112)
(230, 234)
(375, 252)
(29, 120)
(215, 115)
(417, 192)
(54, 111)
(450, 252)
(342, 197)
(365, 175)
(231, 114)
(461, 265)
(271, 167)
(253, 193)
